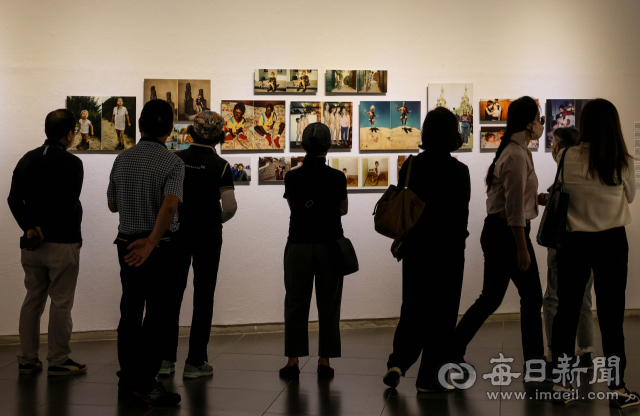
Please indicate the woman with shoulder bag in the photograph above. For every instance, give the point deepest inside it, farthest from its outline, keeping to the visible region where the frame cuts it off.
(438, 238)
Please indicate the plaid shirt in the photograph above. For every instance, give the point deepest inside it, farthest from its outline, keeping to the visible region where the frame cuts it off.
(140, 178)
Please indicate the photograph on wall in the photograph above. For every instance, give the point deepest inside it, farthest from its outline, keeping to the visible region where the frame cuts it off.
(163, 89)
(341, 81)
(302, 81)
(270, 81)
(375, 131)
(118, 123)
(350, 167)
(438, 95)
(301, 114)
(372, 82)
(238, 126)
(87, 111)
(375, 171)
(562, 113)
(240, 169)
(491, 137)
(338, 116)
(272, 170)
(194, 97)
(494, 110)
(405, 124)
(401, 160)
(172, 140)
(461, 99)
(269, 125)
(184, 138)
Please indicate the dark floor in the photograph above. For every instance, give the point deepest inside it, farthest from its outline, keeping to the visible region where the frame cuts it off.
(246, 381)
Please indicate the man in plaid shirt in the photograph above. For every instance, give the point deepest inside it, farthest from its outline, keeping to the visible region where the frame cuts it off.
(145, 188)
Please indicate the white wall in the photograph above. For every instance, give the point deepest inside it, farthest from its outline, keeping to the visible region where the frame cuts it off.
(48, 50)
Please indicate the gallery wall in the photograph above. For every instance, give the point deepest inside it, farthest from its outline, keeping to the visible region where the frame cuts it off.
(48, 50)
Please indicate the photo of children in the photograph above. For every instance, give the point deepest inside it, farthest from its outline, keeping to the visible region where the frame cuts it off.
(87, 110)
(269, 124)
(562, 113)
(240, 169)
(338, 116)
(163, 89)
(375, 171)
(193, 98)
(375, 132)
(301, 114)
(494, 111)
(270, 81)
(272, 170)
(302, 81)
(238, 125)
(461, 99)
(341, 81)
(118, 123)
(490, 138)
(405, 124)
(372, 82)
(172, 140)
(348, 166)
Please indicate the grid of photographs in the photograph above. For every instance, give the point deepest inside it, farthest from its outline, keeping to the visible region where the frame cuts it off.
(253, 125)
(386, 125)
(104, 123)
(495, 111)
(372, 82)
(272, 170)
(341, 81)
(240, 169)
(562, 113)
(285, 81)
(187, 97)
(458, 98)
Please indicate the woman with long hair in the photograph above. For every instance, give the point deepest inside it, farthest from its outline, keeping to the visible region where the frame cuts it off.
(512, 202)
(599, 176)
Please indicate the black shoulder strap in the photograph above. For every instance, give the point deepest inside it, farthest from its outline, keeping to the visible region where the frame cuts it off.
(560, 168)
(406, 180)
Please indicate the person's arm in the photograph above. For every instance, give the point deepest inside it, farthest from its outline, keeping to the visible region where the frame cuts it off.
(16, 201)
(514, 179)
(113, 116)
(344, 206)
(112, 191)
(229, 204)
(91, 126)
(128, 122)
(629, 182)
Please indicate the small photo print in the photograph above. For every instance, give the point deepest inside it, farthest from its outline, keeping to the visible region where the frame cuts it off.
(490, 138)
(184, 139)
(172, 140)
(438, 95)
(401, 160)
(194, 98)
(272, 170)
(375, 123)
(405, 125)
(87, 111)
(240, 169)
(269, 125)
(562, 113)
(494, 110)
(341, 81)
(118, 123)
(375, 172)
(238, 126)
(372, 82)
(338, 116)
(162, 89)
(461, 99)
(301, 114)
(270, 81)
(302, 81)
(350, 167)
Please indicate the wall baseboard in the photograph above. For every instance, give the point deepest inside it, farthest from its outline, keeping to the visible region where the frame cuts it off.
(273, 327)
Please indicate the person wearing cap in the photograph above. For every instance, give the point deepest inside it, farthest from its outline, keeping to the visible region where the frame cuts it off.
(317, 197)
(208, 182)
(145, 189)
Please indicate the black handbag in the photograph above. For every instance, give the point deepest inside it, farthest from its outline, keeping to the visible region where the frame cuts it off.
(348, 258)
(554, 220)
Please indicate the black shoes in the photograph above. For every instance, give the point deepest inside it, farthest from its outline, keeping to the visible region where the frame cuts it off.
(83, 145)
(68, 368)
(392, 378)
(30, 368)
(157, 397)
(290, 372)
(624, 400)
(120, 146)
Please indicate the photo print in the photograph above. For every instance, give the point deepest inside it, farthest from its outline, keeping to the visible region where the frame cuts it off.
(240, 169)
(301, 114)
(172, 140)
(194, 98)
(350, 167)
(562, 113)
(491, 137)
(494, 111)
(341, 81)
(458, 98)
(338, 116)
(269, 125)
(270, 81)
(401, 160)
(375, 172)
(302, 81)
(184, 139)
(87, 111)
(375, 123)
(163, 89)
(118, 123)
(372, 82)
(238, 126)
(405, 124)
(272, 170)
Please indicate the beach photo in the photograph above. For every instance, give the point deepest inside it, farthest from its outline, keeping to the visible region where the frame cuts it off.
(405, 125)
(375, 131)
(461, 105)
(240, 169)
(375, 171)
(238, 126)
(194, 97)
(494, 110)
(341, 81)
(269, 122)
(562, 113)
(350, 167)
(270, 81)
(302, 81)
(301, 114)
(172, 140)
(87, 111)
(338, 116)
(372, 82)
(184, 138)
(119, 121)
(162, 89)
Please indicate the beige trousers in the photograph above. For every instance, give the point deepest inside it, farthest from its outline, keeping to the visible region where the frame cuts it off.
(50, 271)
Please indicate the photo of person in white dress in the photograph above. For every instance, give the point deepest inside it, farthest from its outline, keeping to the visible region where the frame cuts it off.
(118, 119)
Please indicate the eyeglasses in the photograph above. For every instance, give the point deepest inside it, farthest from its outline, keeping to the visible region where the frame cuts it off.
(542, 119)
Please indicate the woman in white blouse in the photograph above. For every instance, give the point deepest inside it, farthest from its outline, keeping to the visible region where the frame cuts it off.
(599, 178)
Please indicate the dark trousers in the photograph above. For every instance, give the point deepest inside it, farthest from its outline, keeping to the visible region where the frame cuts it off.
(606, 253)
(206, 259)
(303, 262)
(427, 294)
(143, 311)
(501, 266)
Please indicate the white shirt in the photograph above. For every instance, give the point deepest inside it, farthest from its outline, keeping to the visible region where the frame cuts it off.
(120, 117)
(84, 126)
(594, 206)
